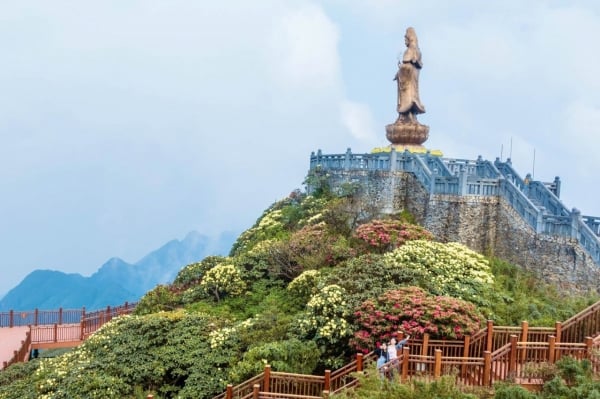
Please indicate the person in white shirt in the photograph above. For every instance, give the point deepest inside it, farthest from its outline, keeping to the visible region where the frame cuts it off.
(393, 348)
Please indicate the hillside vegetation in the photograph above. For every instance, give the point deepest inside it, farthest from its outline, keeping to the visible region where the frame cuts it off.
(316, 279)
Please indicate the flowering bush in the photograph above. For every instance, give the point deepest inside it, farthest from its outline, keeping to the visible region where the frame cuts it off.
(166, 353)
(369, 276)
(385, 235)
(311, 247)
(412, 311)
(447, 269)
(291, 355)
(223, 280)
(192, 273)
(325, 322)
(305, 285)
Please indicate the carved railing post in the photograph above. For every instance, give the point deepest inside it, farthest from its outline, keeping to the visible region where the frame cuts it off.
(437, 369)
(589, 342)
(524, 333)
(347, 159)
(255, 390)
(487, 368)
(359, 362)
(425, 350)
(229, 392)
(558, 327)
(405, 355)
(327, 381)
(551, 348)
(267, 378)
(393, 159)
(467, 344)
(512, 363)
(490, 336)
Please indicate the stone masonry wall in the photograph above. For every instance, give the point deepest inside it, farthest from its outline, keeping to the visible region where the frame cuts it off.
(485, 224)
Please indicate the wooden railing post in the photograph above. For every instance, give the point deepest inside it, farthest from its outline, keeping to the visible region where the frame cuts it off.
(589, 341)
(229, 392)
(267, 378)
(512, 364)
(55, 332)
(359, 362)
(36, 314)
(490, 336)
(425, 350)
(255, 390)
(60, 315)
(325, 392)
(11, 318)
(437, 369)
(405, 355)
(487, 368)
(467, 344)
(558, 327)
(82, 336)
(327, 381)
(108, 315)
(524, 333)
(551, 348)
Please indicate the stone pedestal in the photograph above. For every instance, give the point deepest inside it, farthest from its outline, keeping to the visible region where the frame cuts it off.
(409, 135)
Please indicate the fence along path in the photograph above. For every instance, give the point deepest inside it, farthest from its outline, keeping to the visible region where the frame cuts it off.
(495, 353)
(50, 329)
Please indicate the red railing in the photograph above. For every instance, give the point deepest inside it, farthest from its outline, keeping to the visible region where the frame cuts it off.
(20, 355)
(58, 328)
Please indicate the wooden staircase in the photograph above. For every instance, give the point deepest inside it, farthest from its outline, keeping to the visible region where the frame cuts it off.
(495, 353)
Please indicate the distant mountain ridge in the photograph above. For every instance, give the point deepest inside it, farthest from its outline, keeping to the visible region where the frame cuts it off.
(116, 281)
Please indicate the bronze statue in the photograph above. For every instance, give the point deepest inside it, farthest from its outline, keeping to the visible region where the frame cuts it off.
(407, 77)
(407, 132)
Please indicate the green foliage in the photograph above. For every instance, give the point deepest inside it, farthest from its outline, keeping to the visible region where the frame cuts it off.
(304, 286)
(156, 353)
(448, 269)
(369, 276)
(290, 355)
(223, 280)
(325, 322)
(161, 298)
(523, 296)
(512, 391)
(191, 274)
(373, 387)
(382, 236)
(311, 247)
(15, 381)
(317, 183)
(411, 311)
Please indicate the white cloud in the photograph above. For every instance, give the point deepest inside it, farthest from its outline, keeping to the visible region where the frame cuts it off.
(304, 50)
(357, 118)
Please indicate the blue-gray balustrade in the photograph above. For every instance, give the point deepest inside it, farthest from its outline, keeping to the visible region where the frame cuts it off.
(536, 202)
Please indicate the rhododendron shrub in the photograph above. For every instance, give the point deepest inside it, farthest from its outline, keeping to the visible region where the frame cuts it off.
(412, 311)
(447, 269)
(369, 276)
(385, 235)
(325, 321)
(311, 247)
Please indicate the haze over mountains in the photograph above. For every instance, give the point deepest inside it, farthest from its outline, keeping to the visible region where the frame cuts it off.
(116, 281)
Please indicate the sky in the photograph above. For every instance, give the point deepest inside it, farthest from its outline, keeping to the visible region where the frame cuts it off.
(126, 124)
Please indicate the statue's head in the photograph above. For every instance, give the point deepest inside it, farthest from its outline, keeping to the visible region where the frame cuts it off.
(410, 38)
